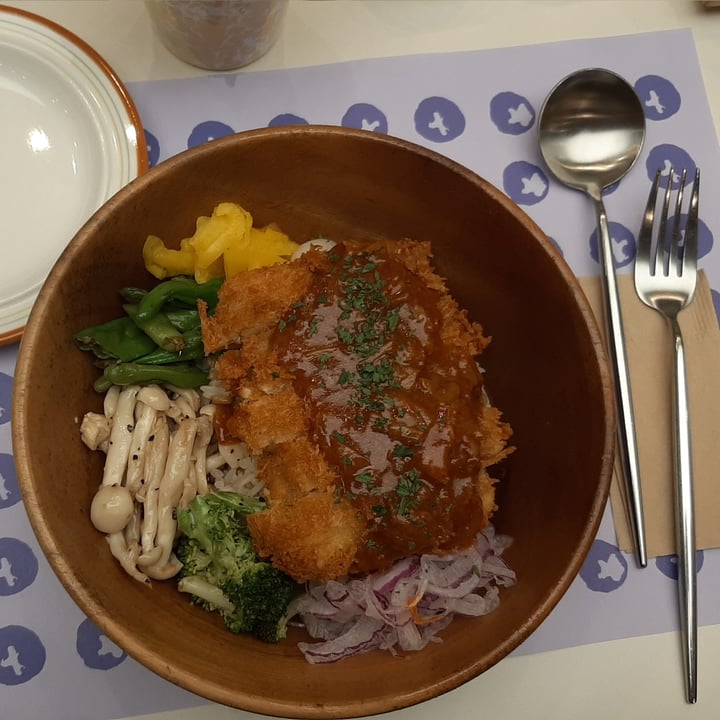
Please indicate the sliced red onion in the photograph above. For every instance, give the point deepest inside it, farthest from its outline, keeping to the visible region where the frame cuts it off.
(365, 634)
(404, 608)
(385, 582)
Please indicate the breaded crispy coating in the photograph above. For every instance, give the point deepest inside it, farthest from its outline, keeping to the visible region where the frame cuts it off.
(313, 535)
(254, 301)
(355, 384)
(310, 472)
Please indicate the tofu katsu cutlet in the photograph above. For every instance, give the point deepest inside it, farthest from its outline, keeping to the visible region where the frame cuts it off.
(355, 384)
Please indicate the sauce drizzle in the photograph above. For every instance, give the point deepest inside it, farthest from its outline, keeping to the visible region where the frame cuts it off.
(394, 409)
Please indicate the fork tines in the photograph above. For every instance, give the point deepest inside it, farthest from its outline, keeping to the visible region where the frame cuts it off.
(675, 247)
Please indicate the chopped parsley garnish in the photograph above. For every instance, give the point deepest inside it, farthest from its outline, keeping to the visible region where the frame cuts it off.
(408, 488)
(402, 451)
(364, 353)
(366, 479)
(363, 294)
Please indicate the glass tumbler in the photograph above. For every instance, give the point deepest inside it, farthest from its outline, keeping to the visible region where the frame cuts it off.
(217, 34)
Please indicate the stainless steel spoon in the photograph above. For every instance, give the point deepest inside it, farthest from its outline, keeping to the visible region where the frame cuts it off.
(591, 129)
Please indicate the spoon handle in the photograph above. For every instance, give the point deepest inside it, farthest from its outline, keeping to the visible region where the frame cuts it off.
(627, 444)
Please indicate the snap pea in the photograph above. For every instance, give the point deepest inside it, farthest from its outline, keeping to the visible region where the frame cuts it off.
(158, 340)
(164, 357)
(193, 349)
(184, 319)
(119, 339)
(183, 375)
(158, 327)
(180, 289)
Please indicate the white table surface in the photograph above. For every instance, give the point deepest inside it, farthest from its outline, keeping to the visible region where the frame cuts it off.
(633, 678)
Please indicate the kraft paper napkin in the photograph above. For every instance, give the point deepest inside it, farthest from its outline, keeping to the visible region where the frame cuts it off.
(650, 357)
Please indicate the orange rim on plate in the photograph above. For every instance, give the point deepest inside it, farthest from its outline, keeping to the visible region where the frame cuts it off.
(58, 170)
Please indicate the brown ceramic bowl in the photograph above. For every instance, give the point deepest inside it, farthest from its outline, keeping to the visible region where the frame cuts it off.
(545, 369)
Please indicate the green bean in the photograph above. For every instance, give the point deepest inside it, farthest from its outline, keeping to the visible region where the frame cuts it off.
(159, 328)
(102, 384)
(193, 349)
(132, 294)
(182, 375)
(180, 289)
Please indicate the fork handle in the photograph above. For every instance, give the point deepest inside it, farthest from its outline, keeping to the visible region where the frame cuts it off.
(684, 516)
(627, 443)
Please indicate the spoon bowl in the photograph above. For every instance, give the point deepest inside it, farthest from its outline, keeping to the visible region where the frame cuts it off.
(592, 128)
(591, 131)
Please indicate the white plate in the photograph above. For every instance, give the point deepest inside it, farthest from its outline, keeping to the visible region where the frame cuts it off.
(70, 137)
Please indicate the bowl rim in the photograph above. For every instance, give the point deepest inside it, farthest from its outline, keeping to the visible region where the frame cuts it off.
(205, 687)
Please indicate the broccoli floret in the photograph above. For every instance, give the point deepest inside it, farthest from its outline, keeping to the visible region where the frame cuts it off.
(218, 522)
(261, 595)
(222, 572)
(194, 560)
(207, 596)
(271, 631)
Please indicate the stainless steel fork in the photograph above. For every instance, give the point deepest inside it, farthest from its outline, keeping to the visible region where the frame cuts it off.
(665, 279)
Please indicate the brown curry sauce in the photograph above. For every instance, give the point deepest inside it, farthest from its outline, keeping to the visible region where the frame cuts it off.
(393, 408)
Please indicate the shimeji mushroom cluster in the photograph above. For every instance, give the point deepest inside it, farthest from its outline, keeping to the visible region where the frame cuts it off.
(160, 454)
